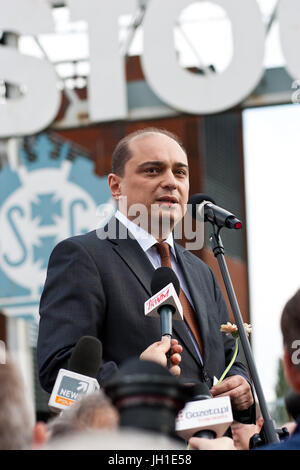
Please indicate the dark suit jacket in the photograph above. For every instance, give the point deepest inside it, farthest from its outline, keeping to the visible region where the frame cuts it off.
(98, 287)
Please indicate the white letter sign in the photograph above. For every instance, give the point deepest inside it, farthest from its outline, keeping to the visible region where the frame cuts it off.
(193, 93)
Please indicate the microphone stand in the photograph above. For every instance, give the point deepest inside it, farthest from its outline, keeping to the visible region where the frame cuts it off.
(218, 250)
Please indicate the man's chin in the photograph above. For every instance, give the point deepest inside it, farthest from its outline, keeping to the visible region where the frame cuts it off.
(163, 222)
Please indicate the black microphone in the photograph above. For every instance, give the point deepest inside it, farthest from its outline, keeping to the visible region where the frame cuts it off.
(213, 213)
(80, 377)
(86, 356)
(164, 302)
(201, 392)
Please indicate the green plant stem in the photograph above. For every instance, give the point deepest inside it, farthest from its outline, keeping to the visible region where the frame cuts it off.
(231, 362)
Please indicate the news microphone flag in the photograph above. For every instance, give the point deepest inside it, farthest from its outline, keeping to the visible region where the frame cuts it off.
(70, 385)
(167, 296)
(213, 414)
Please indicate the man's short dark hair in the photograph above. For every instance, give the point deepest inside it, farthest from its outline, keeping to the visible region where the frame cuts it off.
(122, 153)
(290, 324)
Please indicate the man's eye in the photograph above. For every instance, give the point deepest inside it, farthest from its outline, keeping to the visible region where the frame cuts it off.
(152, 170)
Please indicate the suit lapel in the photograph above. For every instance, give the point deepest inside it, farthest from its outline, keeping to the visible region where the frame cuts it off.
(189, 270)
(131, 253)
(135, 258)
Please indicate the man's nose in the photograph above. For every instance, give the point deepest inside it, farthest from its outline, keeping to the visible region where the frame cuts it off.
(169, 180)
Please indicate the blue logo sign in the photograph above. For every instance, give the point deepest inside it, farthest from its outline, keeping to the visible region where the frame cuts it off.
(48, 198)
(71, 388)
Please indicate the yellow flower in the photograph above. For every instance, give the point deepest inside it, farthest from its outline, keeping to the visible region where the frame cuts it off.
(232, 329)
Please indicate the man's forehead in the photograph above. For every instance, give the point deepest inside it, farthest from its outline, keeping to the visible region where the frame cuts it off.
(156, 145)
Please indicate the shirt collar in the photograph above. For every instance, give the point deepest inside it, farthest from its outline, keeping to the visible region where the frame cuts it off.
(145, 239)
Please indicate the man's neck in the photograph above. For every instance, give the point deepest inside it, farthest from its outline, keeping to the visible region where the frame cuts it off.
(142, 229)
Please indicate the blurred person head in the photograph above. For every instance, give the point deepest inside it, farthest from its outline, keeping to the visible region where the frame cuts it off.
(93, 411)
(292, 404)
(18, 429)
(290, 327)
(242, 433)
(114, 439)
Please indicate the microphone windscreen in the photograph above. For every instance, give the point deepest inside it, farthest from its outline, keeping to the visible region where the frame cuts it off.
(162, 277)
(199, 198)
(195, 200)
(86, 356)
(200, 391)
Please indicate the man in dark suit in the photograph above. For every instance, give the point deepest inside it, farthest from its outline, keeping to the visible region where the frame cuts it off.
(97, 283)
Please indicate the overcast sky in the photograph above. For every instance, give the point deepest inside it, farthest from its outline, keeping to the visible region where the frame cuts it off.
(272, 163)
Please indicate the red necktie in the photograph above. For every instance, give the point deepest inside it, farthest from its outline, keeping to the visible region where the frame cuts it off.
(188, 311)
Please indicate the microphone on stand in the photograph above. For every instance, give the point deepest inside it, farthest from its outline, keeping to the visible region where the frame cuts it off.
(221, 218)
(213, 213)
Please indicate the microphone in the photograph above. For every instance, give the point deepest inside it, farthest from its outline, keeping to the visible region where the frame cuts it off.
(213, 213)
(79, 379)
(204, 416)
(164, 302)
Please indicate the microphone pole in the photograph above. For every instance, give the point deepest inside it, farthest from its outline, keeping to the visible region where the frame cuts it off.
(218, 250)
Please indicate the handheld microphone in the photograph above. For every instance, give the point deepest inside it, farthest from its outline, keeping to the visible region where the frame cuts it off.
(204, 416)
(79, 379)
(164, 302)
(213, 213)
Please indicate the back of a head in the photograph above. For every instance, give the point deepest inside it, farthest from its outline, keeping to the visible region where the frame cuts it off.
(16, 412)
(290, 326)
(93, 411)
(292, 404)
(115, 439)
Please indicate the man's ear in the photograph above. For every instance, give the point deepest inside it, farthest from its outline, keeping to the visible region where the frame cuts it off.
(291, 371)
(114, 183)
(260, 422)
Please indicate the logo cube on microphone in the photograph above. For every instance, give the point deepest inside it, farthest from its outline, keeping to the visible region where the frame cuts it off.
(214, 414)
(69, 387)
(166, 296)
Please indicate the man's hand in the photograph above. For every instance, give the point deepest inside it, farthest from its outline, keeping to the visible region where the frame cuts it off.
(222, 443)
(238, 389)
(157, 352)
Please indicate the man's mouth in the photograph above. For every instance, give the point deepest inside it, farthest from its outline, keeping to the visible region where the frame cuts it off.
(170, 201)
